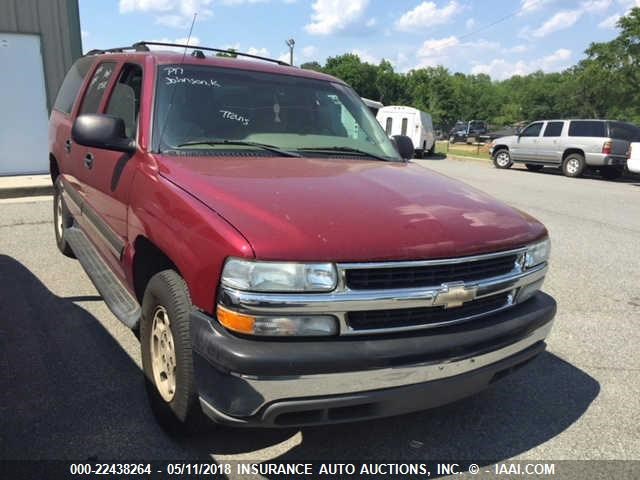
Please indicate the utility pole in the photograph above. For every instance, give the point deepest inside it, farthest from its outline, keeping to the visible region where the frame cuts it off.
(290, 43)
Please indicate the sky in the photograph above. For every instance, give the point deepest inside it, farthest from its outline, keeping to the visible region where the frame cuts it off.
(497, 37)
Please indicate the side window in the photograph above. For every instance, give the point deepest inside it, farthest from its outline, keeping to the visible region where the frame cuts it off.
(71, 85)
(532, 130)
(388, 125)
(125, 98)
(586, 128)
(554, 129)
(97, 87)
(403, 130)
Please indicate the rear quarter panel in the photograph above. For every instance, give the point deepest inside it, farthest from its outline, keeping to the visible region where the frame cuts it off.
(591, 146)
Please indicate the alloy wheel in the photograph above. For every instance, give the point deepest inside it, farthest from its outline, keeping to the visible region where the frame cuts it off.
(573, 166)
(503, 159)
(163, 355)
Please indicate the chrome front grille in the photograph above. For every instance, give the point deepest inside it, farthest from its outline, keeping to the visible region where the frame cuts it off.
(426, 316)
(428, 275)
(385, 297)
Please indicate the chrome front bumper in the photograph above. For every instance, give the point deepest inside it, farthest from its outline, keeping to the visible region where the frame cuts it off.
(283, 387)
(251, 382)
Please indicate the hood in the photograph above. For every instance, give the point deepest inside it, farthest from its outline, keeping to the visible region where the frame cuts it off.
(509, 139)
(309, 209)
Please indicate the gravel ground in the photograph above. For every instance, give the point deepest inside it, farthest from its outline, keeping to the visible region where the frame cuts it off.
(72, 388)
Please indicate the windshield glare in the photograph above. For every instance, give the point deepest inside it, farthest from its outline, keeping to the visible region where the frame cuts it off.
(216, 104)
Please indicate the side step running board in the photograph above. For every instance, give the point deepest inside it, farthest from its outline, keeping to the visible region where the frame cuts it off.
(123, 305)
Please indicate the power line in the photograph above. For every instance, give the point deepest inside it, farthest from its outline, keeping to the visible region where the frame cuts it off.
(496, 22)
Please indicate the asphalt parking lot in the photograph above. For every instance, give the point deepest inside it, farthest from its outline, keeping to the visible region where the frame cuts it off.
(72, 388)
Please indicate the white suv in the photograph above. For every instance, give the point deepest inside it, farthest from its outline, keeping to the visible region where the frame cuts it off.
(573, 145)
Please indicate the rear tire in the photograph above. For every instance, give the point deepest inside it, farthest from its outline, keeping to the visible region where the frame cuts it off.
(167, 357)
(574, 165)
(502, 159)
(62, 219)
(419, 153)
(432, 150)
(533, 167)
(611, 173)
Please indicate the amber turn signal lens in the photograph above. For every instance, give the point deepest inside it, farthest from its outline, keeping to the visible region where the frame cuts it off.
(235, 321)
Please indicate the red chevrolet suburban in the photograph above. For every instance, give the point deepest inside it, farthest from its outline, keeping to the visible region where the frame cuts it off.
(282, 260)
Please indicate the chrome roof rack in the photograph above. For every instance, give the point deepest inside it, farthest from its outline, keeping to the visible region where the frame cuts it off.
(197, 50)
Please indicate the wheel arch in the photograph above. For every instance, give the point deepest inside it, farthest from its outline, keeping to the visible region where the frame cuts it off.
(148, 259)
(570, 151)
(499, 147)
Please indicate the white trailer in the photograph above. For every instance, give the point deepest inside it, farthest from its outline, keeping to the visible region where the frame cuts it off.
(409, 121)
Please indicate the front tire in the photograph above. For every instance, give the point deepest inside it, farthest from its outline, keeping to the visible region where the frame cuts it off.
(533, 167)
(574, 165)
(502, 159)
(167, 358)
(62, 219)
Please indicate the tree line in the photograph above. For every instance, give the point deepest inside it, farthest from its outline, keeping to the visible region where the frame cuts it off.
(605, 84)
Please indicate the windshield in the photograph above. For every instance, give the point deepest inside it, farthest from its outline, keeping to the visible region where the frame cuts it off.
(212, 104)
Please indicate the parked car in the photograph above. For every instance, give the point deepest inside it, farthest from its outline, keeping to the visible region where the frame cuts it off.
(280, 266)
(409, 121)
(633, 163)
(573, 145)
(502, 132)
(468, 131)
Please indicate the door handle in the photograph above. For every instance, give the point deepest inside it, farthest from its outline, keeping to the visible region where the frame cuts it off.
(67, 145)
(88, 161)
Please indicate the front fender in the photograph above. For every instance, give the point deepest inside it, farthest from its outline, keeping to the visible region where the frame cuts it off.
(194, 237)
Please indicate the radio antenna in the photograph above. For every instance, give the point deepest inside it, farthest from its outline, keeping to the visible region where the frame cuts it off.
(170, 106)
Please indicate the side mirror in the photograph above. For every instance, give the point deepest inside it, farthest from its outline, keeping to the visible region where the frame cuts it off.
(404, 145)
(102, 131)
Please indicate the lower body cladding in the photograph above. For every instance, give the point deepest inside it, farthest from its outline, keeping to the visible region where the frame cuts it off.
(283, 383)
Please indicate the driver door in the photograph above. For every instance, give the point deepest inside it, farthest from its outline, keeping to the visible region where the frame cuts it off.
(526, 145)
(107, 182)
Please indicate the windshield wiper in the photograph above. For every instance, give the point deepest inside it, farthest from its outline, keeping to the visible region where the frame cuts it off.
(353, 151)
(264, 146)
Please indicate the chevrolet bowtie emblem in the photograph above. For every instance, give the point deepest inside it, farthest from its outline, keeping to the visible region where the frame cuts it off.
(454, 295)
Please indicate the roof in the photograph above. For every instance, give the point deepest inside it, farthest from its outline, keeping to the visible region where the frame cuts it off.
(580, 120)
(179, 56)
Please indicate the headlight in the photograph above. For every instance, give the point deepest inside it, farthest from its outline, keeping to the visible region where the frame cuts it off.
(283, 326)
(258, 276)
(537, 253)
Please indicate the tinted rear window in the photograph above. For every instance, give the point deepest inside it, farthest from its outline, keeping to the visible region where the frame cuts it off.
(586, 128)
(624, 131)
(553, 129)
(71, 85)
